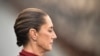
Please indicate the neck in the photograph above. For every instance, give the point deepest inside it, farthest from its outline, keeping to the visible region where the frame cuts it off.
(34, 48)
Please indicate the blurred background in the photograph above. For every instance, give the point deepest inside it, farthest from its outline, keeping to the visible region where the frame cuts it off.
(76, 23)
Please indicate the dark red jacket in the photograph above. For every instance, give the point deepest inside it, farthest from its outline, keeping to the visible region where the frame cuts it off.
(25, 53)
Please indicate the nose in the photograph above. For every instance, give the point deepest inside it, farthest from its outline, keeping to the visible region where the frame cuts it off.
(54, 35)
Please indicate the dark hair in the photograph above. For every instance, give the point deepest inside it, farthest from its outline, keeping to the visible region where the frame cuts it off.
(28, 18)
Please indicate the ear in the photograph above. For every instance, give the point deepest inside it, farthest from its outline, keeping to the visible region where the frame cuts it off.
(33, 34)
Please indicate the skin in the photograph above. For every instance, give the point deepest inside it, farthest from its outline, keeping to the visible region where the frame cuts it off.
(41, 42)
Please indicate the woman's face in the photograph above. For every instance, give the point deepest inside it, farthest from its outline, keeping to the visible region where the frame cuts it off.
(46, 35)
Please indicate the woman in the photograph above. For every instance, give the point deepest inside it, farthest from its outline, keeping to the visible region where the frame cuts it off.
(34, 31)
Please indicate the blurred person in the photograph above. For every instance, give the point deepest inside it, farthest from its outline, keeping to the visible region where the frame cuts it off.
(34, 31)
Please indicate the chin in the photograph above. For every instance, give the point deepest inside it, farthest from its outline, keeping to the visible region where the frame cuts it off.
(48, 48)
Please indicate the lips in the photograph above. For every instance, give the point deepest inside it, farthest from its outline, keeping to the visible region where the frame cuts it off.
(51, 42)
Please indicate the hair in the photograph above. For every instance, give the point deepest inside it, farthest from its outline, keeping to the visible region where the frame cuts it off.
(27, 19)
